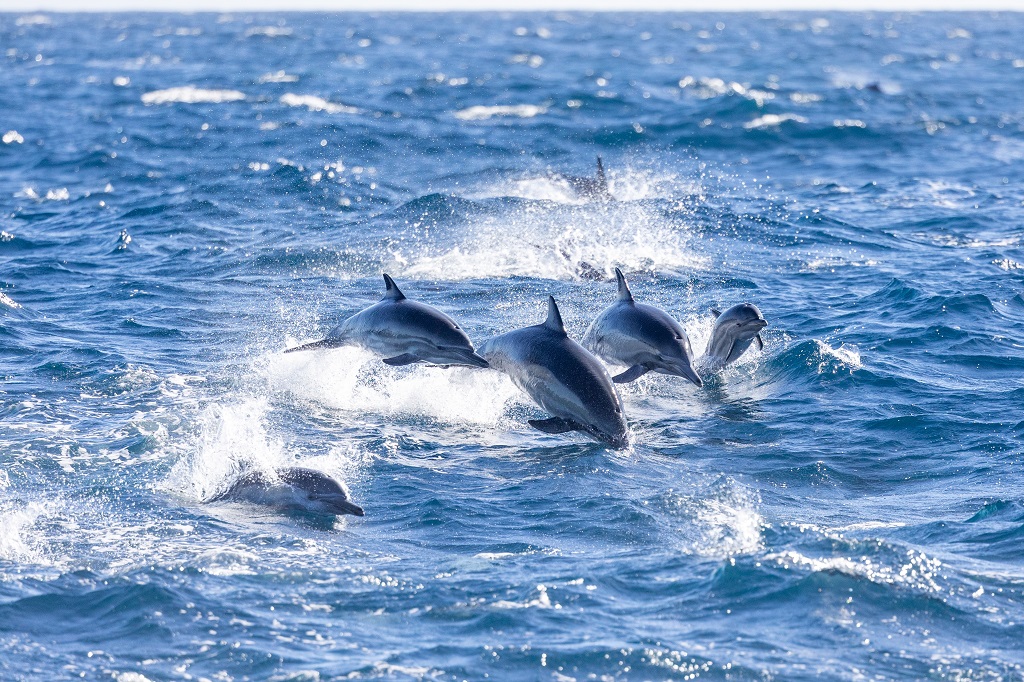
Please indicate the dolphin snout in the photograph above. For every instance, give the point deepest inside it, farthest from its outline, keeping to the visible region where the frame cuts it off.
(340, 505)
(476, 360)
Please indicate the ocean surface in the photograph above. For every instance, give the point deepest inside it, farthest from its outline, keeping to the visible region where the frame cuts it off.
(182, 197)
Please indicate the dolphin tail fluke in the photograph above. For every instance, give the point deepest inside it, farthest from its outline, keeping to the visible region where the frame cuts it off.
(555, 425)
(399, 360)
(322, 343)
(554, 320)
(624, 293)
(631, 374)
(393, 293)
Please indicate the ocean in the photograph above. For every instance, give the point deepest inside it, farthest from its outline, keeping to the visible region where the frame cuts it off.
(182, 197)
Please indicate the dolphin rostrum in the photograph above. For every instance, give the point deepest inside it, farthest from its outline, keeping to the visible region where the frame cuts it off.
(562, 377)
(641, 337)
(291, 489)
(734, 331)
(404, 332)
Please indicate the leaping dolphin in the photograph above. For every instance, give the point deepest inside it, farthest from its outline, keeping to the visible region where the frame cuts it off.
(562, 377)
(593, 189)
(641, 337)
(291, 489)
(404, 332)
(734, 331)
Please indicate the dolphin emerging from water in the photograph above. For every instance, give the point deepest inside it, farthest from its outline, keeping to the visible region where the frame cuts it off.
(593, 189)
(404, 332)
(734, 331)
(562, 377)
(642, 337)
(291, 489)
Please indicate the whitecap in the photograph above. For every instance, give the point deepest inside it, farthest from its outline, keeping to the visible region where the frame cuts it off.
(772, 120)
(190, 94)
(269, 31)
(482, 113)
(278, 77)
(919, 571)
(8, 301)
(13, 137)
(314, 103)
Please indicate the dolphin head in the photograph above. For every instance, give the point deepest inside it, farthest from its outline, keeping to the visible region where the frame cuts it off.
(321, 492)
(745, 319)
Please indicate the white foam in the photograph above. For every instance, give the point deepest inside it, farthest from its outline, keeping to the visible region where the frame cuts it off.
(919, 571)
(13, 137)
(355, 380)
(190, 94)
(8, 301)
(561, 244)
(269, 31)
(541, 601)
(834, 360)
(314, 103)
(773, 120)
(278, 77)
(15, 527)
(721, 522)
(232, 437)
(482, 113)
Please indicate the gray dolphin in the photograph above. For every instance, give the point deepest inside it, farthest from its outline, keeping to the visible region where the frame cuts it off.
(562, 377)
(291, 489)
(404, 332)
(642, 337)
(594, 189)
(734, 331)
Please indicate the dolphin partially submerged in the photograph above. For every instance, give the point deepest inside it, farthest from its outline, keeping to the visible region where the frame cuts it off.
(562, 377)
(641, 337)
(291, 489)
(403, 332)
(592, 189)
(734, 331)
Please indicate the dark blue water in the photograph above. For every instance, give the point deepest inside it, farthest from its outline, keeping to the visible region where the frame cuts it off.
(182, 197)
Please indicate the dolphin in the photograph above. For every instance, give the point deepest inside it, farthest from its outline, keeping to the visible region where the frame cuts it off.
(642, 337)
(291, 489)
(404, 332)
(734, 331)
(562, 377)
(593, 189)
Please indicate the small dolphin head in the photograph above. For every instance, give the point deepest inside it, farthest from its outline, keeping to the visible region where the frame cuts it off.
(322, 493)
(746, 320)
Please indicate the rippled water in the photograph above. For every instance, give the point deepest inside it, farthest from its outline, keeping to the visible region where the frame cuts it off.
(185, 196)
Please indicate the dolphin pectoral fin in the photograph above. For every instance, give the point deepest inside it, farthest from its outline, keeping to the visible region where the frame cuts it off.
(555, 425)
(399, 360)
(759, 341)
(631, 374)
(322, 343)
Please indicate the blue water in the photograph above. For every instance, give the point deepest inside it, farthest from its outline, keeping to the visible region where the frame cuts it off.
(184, 196)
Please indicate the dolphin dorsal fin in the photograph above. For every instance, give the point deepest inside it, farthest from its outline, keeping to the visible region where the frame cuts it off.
(624, 293)
(716, 312)
(600, 174)
(554, 321)
(393, 293)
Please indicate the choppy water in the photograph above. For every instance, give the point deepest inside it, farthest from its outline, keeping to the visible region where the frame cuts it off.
(184, 196)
